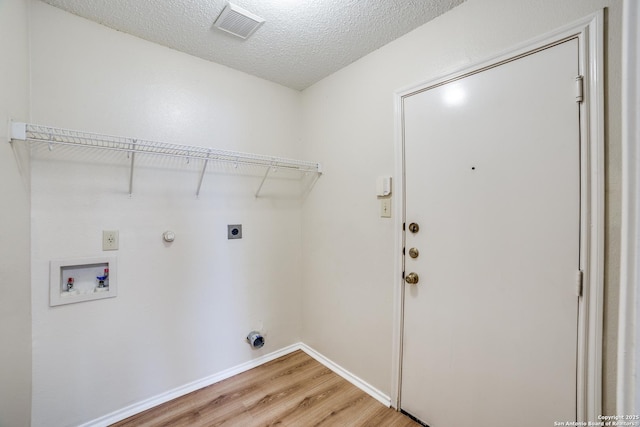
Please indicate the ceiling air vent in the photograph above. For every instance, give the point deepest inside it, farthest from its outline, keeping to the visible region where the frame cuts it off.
(237, 21)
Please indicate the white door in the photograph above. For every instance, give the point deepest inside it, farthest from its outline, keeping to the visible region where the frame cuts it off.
(492, 172)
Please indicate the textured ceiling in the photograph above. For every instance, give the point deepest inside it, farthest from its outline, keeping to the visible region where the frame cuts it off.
(301, 42)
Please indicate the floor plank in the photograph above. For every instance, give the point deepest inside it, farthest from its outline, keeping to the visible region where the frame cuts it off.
(291, 391)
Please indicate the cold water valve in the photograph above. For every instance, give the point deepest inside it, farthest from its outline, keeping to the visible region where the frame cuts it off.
(103, 281)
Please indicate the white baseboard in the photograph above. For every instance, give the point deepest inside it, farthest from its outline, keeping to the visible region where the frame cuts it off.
(136, 408)
(356, 381)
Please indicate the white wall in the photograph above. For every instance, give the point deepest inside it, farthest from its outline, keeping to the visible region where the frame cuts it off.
(15, 303)
(183, 310)
(349, 127)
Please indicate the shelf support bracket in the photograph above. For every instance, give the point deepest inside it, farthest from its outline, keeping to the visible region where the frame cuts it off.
(264, 178)
(18, 131)
(133, 158)
(204, 169)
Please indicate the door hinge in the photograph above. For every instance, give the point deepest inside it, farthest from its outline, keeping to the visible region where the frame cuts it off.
(579, 282)
(579, 88)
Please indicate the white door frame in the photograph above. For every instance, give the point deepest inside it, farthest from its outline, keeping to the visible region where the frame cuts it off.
(589, 32)
(628, 385)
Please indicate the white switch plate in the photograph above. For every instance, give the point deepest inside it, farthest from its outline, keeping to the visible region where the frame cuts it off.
(385, 208)
(110, 240)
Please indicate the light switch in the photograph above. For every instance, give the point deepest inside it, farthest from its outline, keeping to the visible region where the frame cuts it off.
(385, 208)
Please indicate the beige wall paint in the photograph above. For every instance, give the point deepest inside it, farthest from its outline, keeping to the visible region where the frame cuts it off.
(15, 303)
(349, 126)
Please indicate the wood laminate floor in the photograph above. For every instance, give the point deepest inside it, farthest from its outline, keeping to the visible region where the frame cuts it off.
(293, 390)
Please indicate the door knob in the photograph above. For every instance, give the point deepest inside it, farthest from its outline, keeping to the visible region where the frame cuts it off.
(411, 278)
(413, 252)
(413, 227)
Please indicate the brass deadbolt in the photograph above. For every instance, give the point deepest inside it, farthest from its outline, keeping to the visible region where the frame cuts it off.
(413, 227)
(413, 253)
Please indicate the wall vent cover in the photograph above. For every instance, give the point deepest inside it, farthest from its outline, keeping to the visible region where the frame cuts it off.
(237, 21)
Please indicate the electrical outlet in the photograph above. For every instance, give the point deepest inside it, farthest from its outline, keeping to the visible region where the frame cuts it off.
(109, 240)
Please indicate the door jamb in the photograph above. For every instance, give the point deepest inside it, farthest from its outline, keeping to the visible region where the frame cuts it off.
(590, 34)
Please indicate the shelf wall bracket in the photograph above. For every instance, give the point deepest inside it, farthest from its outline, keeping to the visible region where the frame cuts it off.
(18, 131)
(264, 178)
(204, 169)
(133, 159)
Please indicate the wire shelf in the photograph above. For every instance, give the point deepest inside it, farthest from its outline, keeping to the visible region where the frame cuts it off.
(133, 146)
